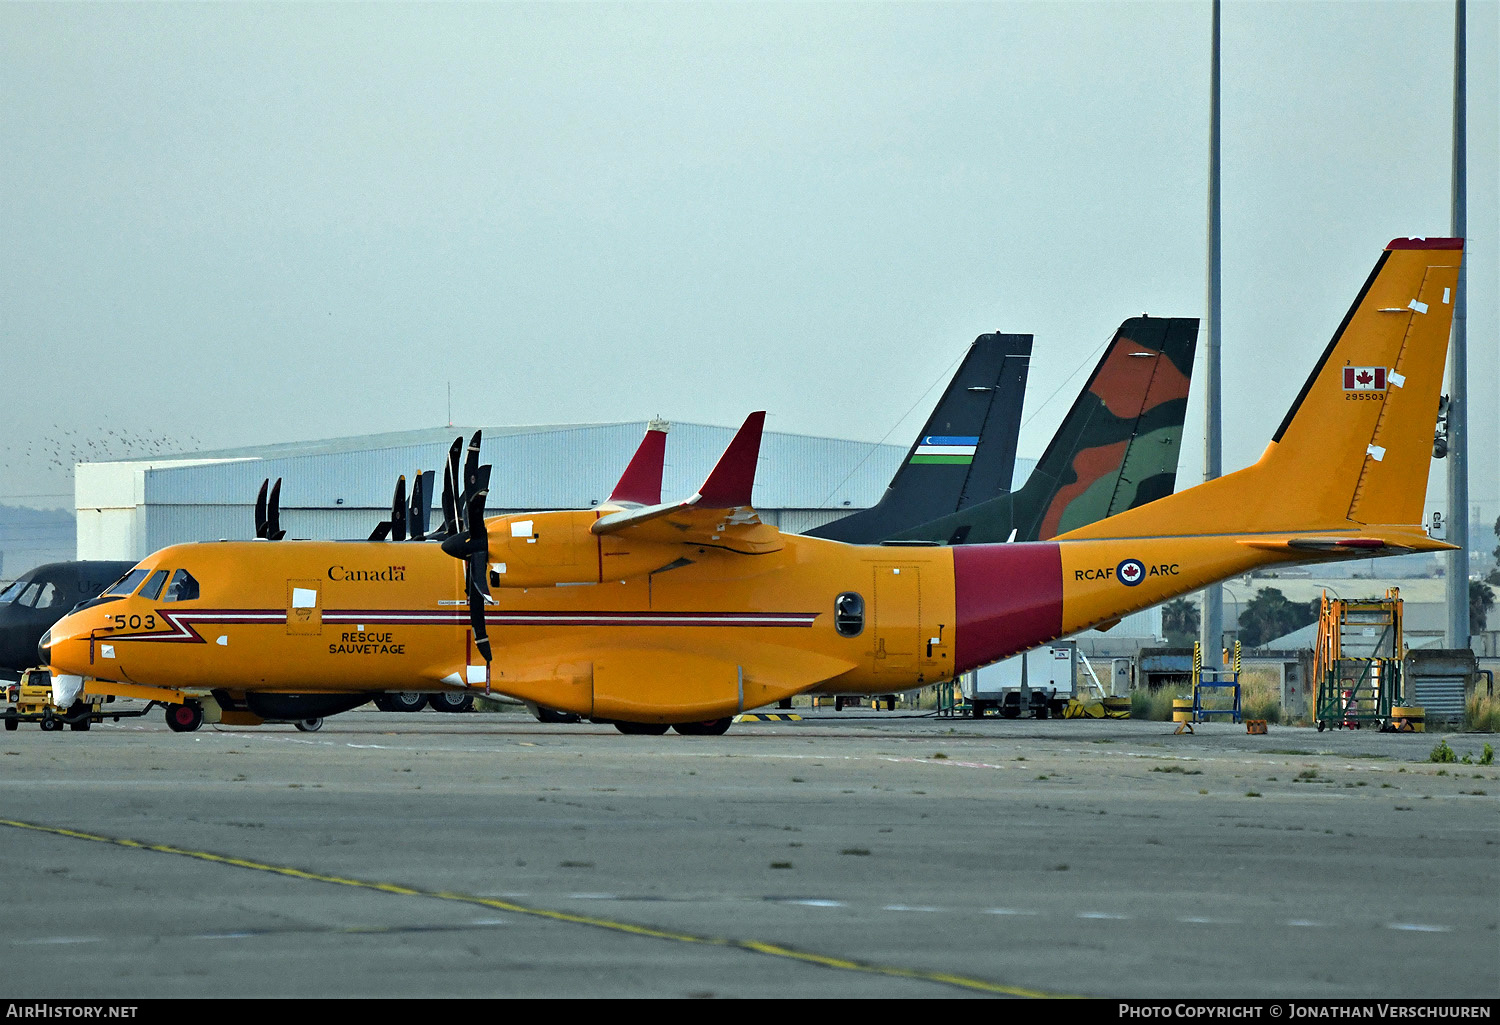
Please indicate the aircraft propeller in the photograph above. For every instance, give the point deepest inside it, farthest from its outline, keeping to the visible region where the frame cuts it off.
(470, 541)
(268, 512)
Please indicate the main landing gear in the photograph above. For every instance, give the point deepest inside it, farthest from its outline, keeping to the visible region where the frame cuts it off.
(707, 728)
(184, 718)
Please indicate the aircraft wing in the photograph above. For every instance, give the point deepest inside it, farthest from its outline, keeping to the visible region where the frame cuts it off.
(718, 516)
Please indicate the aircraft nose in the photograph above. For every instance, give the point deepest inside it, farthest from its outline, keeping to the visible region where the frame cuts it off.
(65, 646)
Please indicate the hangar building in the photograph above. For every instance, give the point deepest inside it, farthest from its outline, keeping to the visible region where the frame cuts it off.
(341, 488)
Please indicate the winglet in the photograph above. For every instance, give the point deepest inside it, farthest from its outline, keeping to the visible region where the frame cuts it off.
(733, 478)
(641, 482)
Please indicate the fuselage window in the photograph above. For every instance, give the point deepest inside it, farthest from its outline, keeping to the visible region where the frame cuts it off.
(129, 582)
(849, 614)
(153, 586)
(12, 592)
(182, 588)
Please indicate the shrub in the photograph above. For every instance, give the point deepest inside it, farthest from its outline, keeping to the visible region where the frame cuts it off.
(1442, 753)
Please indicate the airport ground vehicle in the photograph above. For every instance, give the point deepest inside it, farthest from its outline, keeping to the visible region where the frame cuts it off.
(1038, 683)
(31, 700)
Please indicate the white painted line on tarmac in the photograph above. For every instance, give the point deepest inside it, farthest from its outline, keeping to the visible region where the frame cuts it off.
(1417, 927)
(1103, 915)
(1303, 923)
(912, 907)
(1007, 911)
(48, 940)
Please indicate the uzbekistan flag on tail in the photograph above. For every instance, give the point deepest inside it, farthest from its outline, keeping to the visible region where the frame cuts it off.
(938, 448)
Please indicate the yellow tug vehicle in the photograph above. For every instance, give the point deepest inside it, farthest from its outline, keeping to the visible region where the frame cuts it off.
(35, 699)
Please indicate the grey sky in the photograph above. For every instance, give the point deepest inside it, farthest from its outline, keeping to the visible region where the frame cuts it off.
(243, 223)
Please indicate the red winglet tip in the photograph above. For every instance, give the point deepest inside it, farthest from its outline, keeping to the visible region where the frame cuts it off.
(733, 478)
(641, 481)
(1426, 243)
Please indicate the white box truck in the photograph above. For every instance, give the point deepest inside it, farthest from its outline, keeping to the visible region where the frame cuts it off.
(1038, 683)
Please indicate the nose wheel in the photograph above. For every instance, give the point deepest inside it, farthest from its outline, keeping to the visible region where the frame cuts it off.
(184, 718)
(309, 725)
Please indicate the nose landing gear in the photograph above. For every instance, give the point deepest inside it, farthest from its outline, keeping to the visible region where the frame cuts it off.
(184, 718)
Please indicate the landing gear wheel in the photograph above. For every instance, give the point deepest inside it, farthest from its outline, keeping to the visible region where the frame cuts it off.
(80, 724)
(552, 715)
(408, 702)
(48, 725)
(11, 724)
(309, 725)
(890, 703)
(451, 702)
(650, 729)
(838, 703)
(709, 728)
(977, 709)
(784, 704)
(184, 718)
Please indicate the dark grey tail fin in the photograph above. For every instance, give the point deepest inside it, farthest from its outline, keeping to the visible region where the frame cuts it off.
(966, 453)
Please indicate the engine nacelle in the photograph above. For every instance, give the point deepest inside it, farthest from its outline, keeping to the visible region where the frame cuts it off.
(547, 549)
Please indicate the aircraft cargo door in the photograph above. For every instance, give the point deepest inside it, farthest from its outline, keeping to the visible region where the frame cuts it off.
(898, 618)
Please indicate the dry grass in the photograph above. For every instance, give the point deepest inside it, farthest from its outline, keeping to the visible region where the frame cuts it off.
(1260, 698)
(1481, 714)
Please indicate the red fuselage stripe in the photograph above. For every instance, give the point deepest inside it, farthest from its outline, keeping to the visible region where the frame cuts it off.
(1006, 598)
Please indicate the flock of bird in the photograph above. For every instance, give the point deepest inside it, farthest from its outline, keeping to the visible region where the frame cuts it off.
(38, 467)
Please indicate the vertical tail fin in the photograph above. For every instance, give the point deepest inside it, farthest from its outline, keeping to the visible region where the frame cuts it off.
(1354, 448)
(966, 452)
(1117, 447)
(640, 484)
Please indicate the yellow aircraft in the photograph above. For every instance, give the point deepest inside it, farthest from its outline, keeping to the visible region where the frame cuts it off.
(651, 614)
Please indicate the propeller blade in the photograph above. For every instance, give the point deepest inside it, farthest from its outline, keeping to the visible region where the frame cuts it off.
(416, 520)
(471, 468)
(260, 508)
(398, 510)
(450, 505)
(273, 513)
(477, 624)
(381, 532)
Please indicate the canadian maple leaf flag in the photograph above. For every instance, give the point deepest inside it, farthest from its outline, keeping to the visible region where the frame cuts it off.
(1364, 379)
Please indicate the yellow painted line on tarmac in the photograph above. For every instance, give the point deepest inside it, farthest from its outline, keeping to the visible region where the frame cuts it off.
(752, 946)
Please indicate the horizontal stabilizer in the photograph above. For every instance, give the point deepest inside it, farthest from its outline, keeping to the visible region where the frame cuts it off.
(719, 516)
(1356, 547)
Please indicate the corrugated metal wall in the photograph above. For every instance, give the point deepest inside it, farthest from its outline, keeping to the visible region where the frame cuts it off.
(334, 489)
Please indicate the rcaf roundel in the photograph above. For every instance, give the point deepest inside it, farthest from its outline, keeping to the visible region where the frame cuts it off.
(1364, 379)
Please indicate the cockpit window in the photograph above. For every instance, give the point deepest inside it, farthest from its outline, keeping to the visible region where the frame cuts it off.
(12, 592)
(28, 597)
(128, 583)
(182, 588)
(153, 585)
(48, 597)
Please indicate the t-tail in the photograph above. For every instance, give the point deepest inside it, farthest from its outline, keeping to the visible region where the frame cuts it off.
(1344, 477)
(966, 453)
(1115, 450)
(1353, 452)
